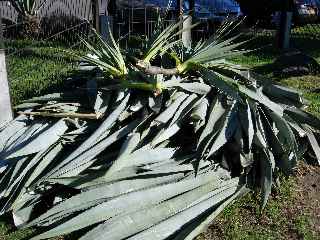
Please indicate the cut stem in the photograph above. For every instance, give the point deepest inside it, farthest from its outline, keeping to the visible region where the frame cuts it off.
(93, 116)
(154, 87)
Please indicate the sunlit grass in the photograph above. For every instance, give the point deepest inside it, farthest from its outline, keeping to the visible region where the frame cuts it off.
(33, 71)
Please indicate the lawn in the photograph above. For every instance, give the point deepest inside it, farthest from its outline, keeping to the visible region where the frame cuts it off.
(291, 212)
(36, 69)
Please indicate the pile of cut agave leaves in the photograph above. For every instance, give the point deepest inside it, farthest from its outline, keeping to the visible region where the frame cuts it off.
(155, 145)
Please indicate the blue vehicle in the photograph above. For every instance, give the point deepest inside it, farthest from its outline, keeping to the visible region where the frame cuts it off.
(216, 10)
(209, 9)
(307, 11)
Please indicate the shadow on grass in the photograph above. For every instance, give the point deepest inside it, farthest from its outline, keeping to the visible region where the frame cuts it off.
(307, 45)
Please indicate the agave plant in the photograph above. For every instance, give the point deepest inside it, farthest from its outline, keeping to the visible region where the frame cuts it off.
(178, 135)
(28, 14)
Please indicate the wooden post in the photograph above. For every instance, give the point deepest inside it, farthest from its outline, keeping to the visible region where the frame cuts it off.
(6, 113)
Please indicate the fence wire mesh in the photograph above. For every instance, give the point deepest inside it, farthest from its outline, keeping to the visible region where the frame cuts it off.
(40, 58)
(36, 54)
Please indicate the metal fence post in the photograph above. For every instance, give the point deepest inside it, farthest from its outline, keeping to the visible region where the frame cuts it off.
(186, 11)
(97, 14)
(106, 26)
(285, 24)
(285, 30)
(186, 34)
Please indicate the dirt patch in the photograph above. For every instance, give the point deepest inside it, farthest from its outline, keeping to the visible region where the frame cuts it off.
(308, 194)
(293, 212)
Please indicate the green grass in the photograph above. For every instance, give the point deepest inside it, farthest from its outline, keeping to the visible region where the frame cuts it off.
(7, 233)
(244, 220)
(33, 71)
(256, 228)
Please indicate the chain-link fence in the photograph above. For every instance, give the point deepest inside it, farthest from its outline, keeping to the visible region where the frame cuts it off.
(41, 45)
(36, 46)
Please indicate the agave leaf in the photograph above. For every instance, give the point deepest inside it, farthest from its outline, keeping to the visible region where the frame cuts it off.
(216, 81)
(313, 142)
(155, 103)
(173, 82)
(44, 137)
(194, 87)
(295, 125)
(218, 51)
(167, 114)
(213, 44)
(302, 117)
(266, 176)
(158, 43)
(246, 121)
(218, 114)
(142, 157)
(100, 194)
(223, 64)
(107, 56)
(192, 231)
(97, 135)
(69, 96)
(173, 224)
(26, 200)
(4, 164)
(93, 179)
(129, 145)
(17, 169)
(46, 159)
(185, 107)
(22, 171)
(27, 106)
(102, 102)
(5, 178)
(122, 227)
(166, 134)
(74, 168)
(280, 155)
(126, 204)
(22, 209)
(257, 95)
(284, 95)
(260, 139)
(226, 132)
(13, 131)
(286, 135)
(199, 113)
(170, 167)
